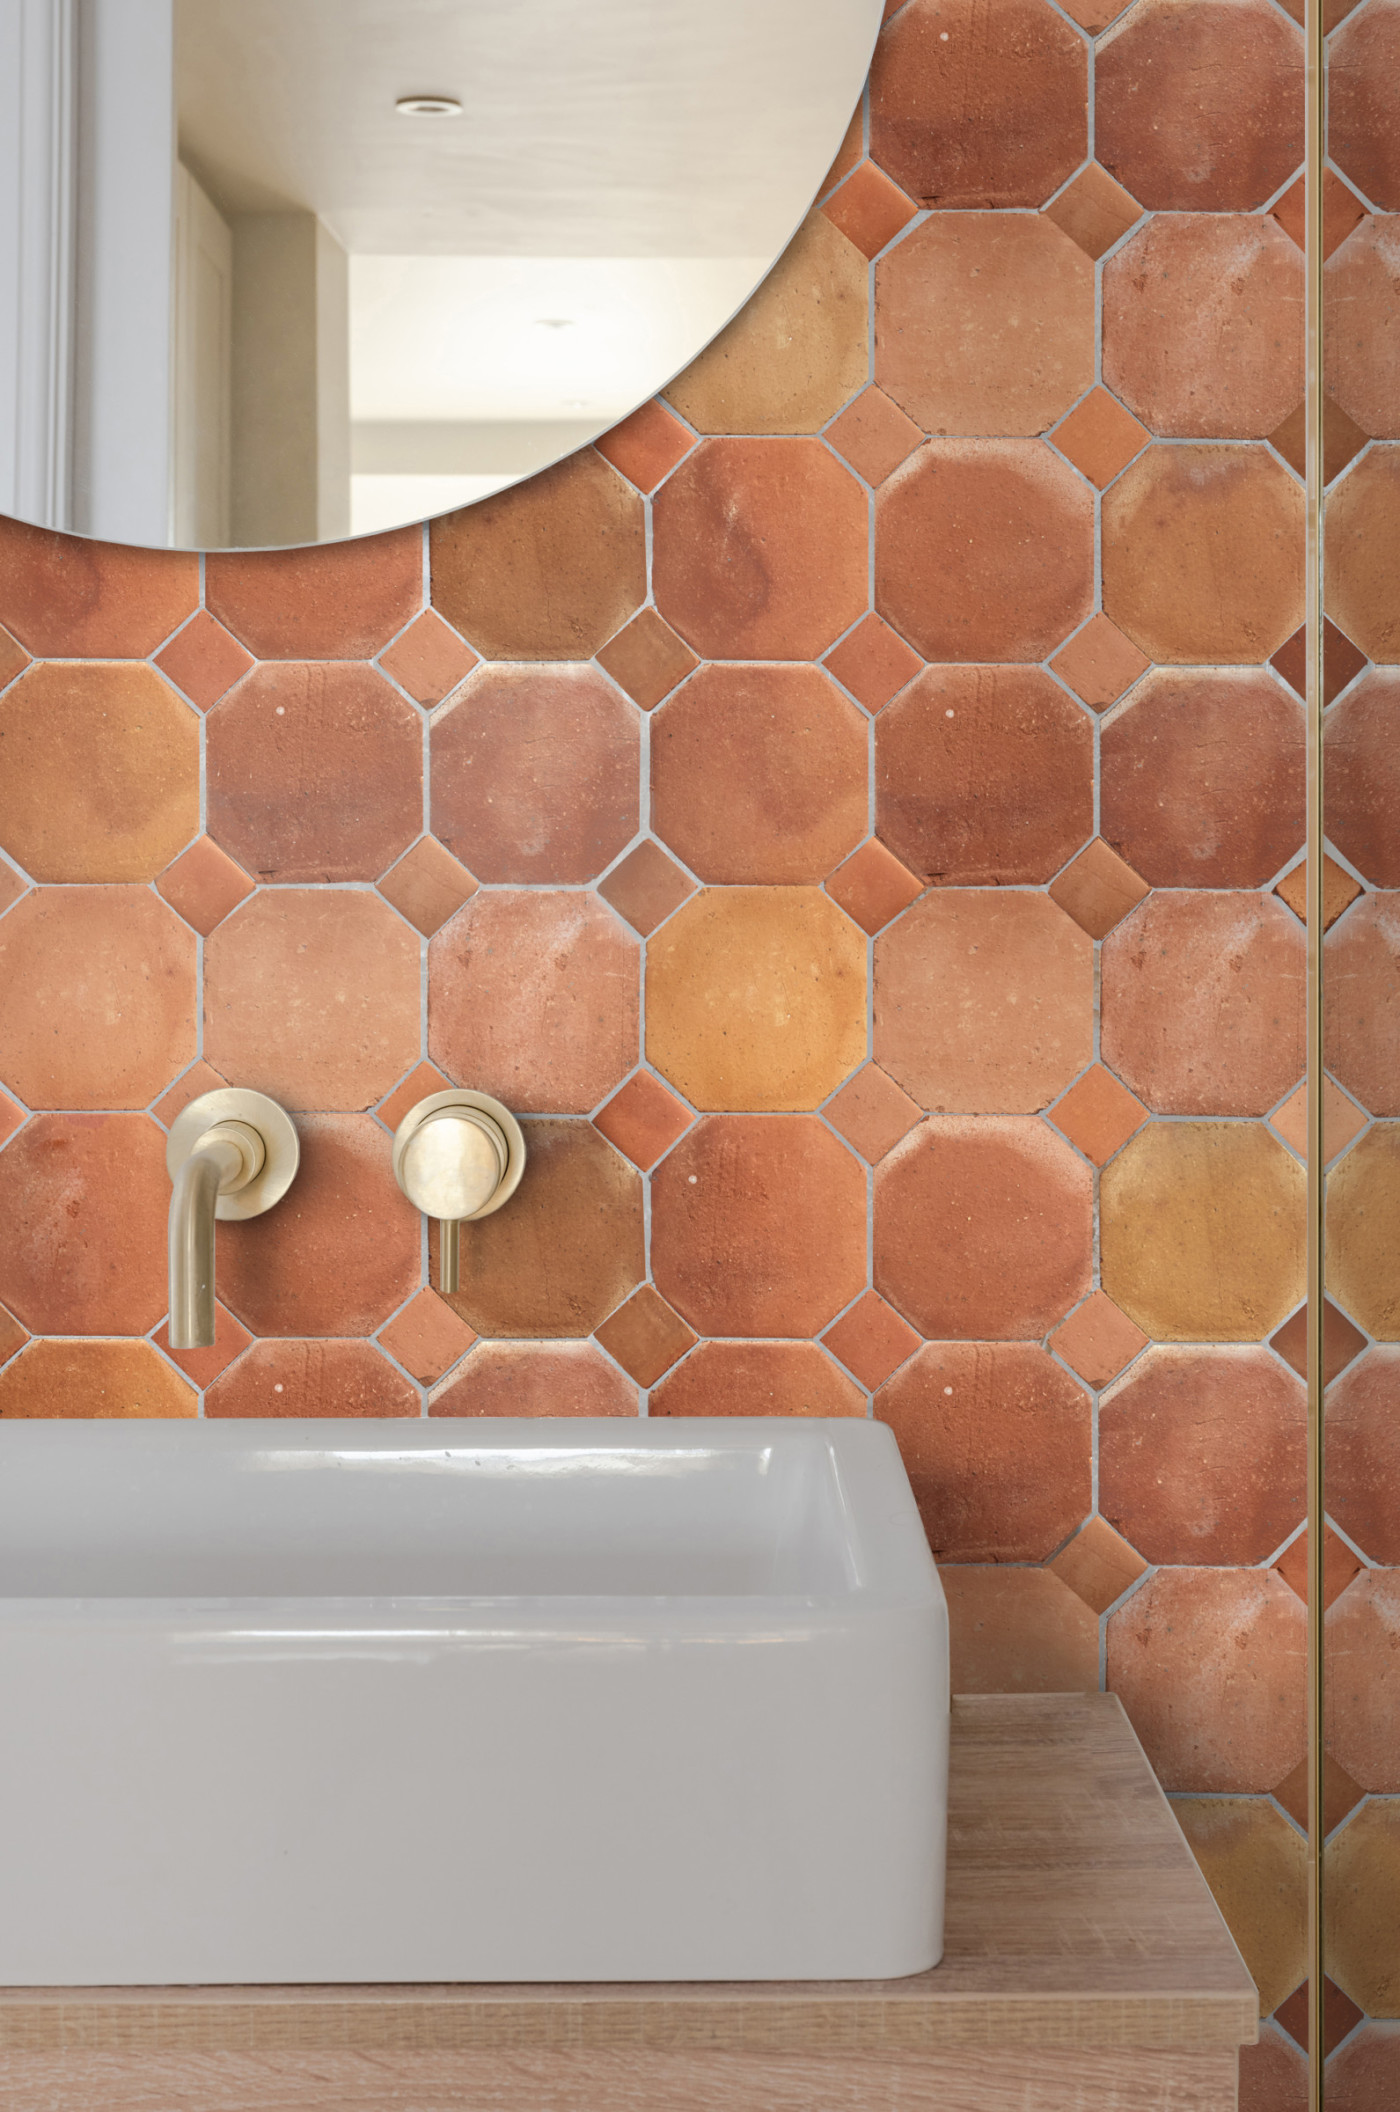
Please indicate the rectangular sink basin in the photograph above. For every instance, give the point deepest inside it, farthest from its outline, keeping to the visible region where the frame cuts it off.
(467, 1700)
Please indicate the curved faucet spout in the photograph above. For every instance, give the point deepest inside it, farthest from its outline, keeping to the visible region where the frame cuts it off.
(223, 1161)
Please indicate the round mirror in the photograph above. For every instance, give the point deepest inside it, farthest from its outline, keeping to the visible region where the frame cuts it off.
(282, 271)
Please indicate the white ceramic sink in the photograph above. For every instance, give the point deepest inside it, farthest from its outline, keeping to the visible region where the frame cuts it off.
(478, 1700)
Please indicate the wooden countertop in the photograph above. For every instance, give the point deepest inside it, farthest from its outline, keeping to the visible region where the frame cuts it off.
(1076, 1918)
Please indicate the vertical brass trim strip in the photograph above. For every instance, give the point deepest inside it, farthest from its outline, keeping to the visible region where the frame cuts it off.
(1315, 87)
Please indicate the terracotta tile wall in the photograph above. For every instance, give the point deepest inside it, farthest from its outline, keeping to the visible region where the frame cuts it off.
(854, 814)
(1362, 409)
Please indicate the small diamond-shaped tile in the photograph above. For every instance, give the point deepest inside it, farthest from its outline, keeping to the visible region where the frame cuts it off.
(1339, 890)
(200, 1078)
(1098, 889)
(1340, 1794)
(645, 1336)
(11, 886)
(204, 660)
(11, 1118)
(1094, 210)
(423, 1080)
(428, 659)
(872, 1113)
(1340, 2015)
(1341, 211)
(869, 209)
(427, 1337)
(1100, 437)
(1099, 663)
(1098, 1339)
(1098, 1114)
(871, 1340)
(1342, 439)
(1339, 1565)
(646, 887)
(428, 885)
(1341, 662)
(1342, 1120)
(204, 885)
(1098, 1565)
(873, 663)
(647, 446)
(203, 1366)
(642, 1119)
(874, 436)
(647, 659)
(12, 1336)
(13, 659)
(1341, 1341)
(872, 886)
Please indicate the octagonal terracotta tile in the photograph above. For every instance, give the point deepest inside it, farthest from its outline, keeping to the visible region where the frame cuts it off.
(1256, 1865)
(1363, 1451)
(1362, 1877)
(1362, 747)
(1362, 553)
(1018, 1631)
(1363, 1223)
(93, 1379)
(1362, 289)
(1363, 66)
(1364, 2075)
(1363, 1680)
(1362, 1008)
(332, 601)
(83, 1204)
(64, 594)
(312, 1378)
(536, 1378)
(757, 1378)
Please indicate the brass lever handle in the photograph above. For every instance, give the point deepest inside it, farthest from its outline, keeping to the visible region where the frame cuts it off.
(457, 1156)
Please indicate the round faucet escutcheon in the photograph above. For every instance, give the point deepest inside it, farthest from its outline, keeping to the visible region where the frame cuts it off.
(457, 1157)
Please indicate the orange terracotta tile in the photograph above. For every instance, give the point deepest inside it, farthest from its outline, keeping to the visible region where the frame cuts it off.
(428, 659)
(423, 1079)
(1364, 2075)
(797, 349)
(203, 660)
(1203, 552)
(997, 1441)
(1363, 552)
(1340, 1341)
(83, 1204)
(1363, 1452)
(1341, 662)
(1363, 1682)
(1341, 210)
(642, 1119)
(756, 998)
(204, 885)
(428, 885)
(1210, 1666)
(101, 1380)
(333, 601)
(535, 774)
(1342, 1120)
(645, 1336)
(76, 960)
(1256, 1865)
(311, 1378)
(869, 209)
(1098, 1565)
(62, 594)
(1099, 663)
(12, 1336)
(1363, 1214)
(1225, 86)
(1203, 1002)
(1203, 1455)
(1203, 325)
(874, 436)
(547, 570)
(1342, 440)
(1363, 65)
(984, 776)
(1203, 1231)
(1094, 211)
(1340, 2015)
(312, 995)
(759, 774)
(983, 1228)
(757, 1378)
(427, 1337)
(1340, 1795)
(647, 445)
(1098, 889)
(873, 663)
(647, 659)
(565, 1251)
(1361, 957)
(12, 886)
(1009, 90)
(943, 351)
(1202, 778)
(314, 773)
(200, 1078)
(341, 1250)
(1362, 1872)
(13, 659)
(1363, 777)
(984, 1001)
(533, 996)
(984, 550)
(536, 1378)
(1018, 1631)
(759, 549)
(872, 1112)
(1099, 1114)
(101, 778)
(758, 1226)
(872, 886)
(202, 1366)
(12, 1117)
(1097, 1340)
(1100, 437)
(1339, 1564)
(871, 1340)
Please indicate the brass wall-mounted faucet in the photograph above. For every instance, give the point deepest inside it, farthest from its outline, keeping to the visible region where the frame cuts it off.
(230, 1153)
(457, 1156)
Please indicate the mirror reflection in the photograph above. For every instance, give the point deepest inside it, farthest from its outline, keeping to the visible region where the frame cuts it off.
(282, 271)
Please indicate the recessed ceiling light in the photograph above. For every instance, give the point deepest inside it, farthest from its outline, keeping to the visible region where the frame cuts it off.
(554, 322)
(428, 106)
